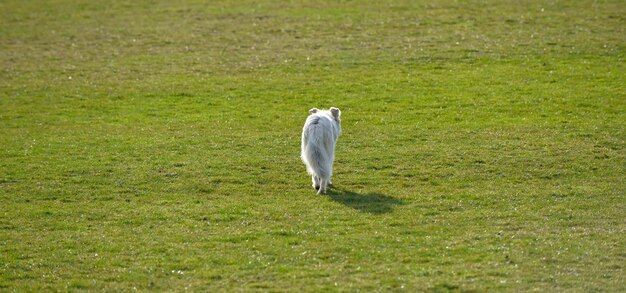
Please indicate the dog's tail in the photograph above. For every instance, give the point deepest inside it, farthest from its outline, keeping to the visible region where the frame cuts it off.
(314, 150)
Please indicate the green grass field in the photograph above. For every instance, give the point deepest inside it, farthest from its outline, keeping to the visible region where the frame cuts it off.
(154, 145)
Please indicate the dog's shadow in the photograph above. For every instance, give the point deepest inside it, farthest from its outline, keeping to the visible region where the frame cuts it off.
(373, 203)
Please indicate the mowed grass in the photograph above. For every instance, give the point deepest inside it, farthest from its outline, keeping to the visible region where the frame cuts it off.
(154, 145)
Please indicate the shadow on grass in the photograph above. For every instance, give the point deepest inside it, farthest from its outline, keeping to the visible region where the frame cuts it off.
(373, 203)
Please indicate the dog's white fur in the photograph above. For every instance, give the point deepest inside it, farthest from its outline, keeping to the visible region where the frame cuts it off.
(319, 137)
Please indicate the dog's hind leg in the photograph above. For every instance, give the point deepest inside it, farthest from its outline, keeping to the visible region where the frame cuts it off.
(316, 182)
(323, 184)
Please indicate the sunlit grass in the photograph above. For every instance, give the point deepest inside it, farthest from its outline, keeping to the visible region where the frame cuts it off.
(155, 145)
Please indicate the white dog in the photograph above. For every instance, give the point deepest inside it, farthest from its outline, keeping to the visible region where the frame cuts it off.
(319, 136)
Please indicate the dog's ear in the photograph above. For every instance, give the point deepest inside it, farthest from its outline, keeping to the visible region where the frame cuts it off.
(314, 110)
(336, 112)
